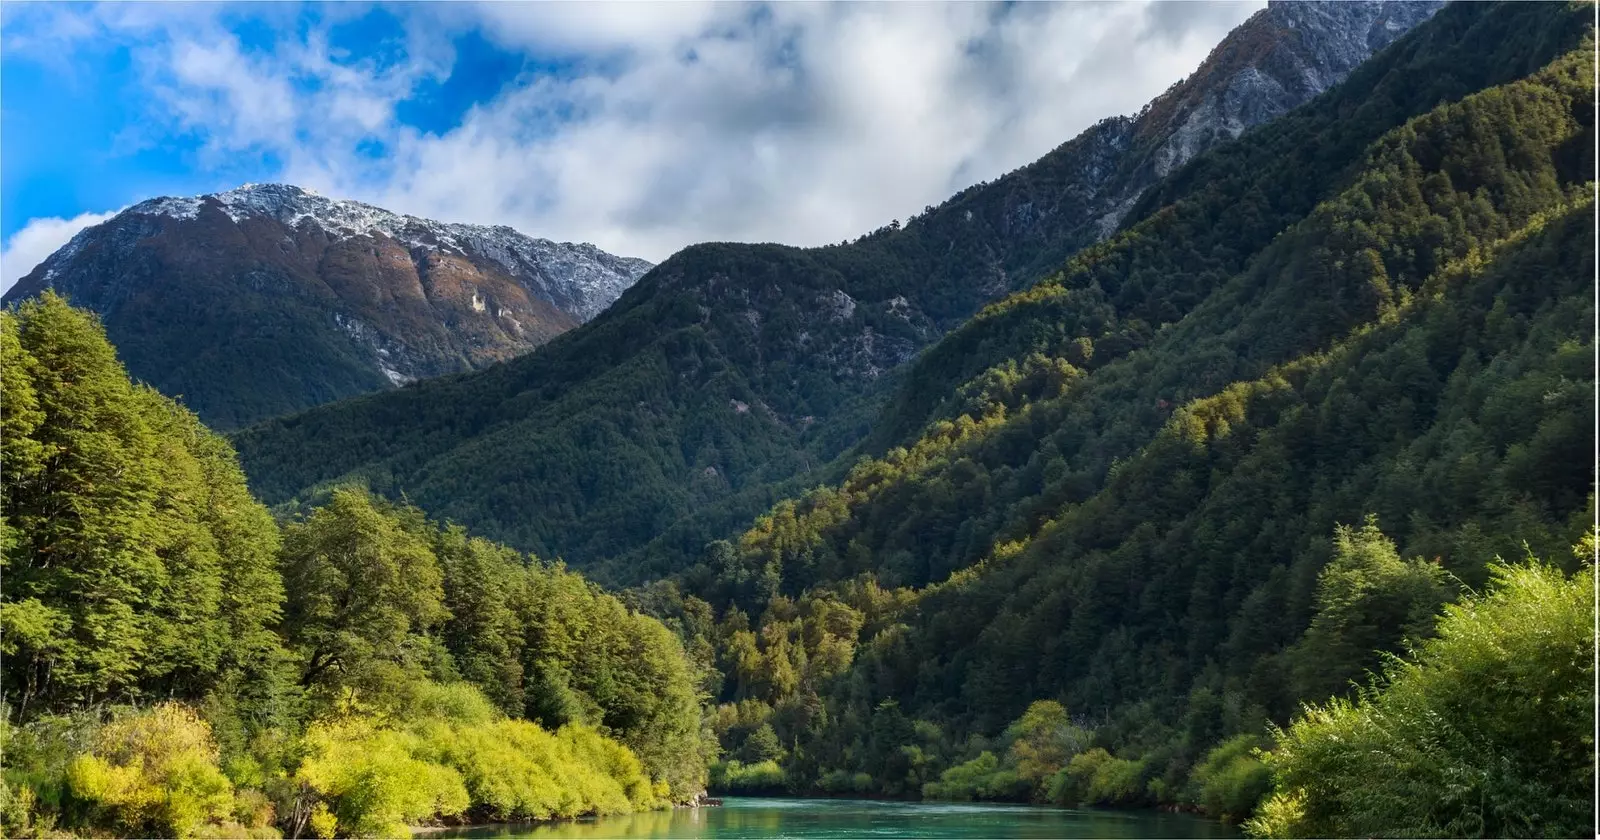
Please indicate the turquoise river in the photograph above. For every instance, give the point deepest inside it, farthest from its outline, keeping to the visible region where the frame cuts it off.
(826, 819)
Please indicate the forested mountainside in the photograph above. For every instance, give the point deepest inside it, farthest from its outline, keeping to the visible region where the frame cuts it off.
(1350, 374)
(270, 299)
(1277, 504)
(731, 369)
(1202, 223)
(178, 664)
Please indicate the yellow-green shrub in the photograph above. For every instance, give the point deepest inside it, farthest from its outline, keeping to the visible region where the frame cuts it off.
(617, 765)
(982, 778)
(736, 777)
(455, 751)
(371, 781)
(155, 773)
(513, 769)
(1096, 777)
(1487, 731)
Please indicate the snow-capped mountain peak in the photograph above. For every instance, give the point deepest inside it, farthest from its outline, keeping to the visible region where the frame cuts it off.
(578, 277)
(270, 298)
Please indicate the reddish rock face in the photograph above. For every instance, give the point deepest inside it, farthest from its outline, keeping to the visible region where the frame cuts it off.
(270, 299)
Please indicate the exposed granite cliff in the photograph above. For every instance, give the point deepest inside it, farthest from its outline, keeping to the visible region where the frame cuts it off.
(1282, 57)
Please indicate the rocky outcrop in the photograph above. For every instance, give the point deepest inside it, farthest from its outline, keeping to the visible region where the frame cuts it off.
(1281, 57)
(1079, 193)
(269, 298)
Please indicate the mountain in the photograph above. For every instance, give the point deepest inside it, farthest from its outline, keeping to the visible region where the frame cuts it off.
(1217, 466)
(1281, 57)
(729, 369)
(269, 299)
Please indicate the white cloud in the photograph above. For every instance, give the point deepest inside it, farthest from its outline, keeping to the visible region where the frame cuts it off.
(581, 28)
(803, 124)
(677, 123)
(38, 239)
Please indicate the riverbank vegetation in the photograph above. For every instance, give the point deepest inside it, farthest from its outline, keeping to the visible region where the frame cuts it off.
(177, 663)
(1486, 731)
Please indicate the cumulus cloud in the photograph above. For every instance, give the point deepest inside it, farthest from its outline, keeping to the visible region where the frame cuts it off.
(40, 238)
(676, 123)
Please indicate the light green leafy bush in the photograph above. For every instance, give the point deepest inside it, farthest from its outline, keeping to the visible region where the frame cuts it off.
(1232, 779)
(155, 773)
(1488, 731)
(760, 777)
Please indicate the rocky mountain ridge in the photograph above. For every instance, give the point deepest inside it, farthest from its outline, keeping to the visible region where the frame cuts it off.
(1281, 57)
(269, 298)
(577, 278)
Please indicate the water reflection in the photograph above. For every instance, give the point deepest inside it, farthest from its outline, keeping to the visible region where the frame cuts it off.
(825, 819)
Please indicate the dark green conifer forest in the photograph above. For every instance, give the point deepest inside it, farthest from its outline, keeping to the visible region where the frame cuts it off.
(1276, 505)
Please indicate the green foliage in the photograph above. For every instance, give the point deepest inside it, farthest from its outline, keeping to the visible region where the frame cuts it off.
(363, 589)
(1231, 780)
(1096, 777)
(390, 600)
(1043, 740)
(1488, 731)
(456, 753)
(483, 589)
(135, 560)
(375, 780)
(1038, 748)
(762, 745)
(137, 566)
(1368, 602)
(981, 778)
(840, 781)
(758, 778)
(626, 667)
(154, 773)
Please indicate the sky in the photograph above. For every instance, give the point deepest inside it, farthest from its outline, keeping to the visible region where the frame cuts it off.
(641, 128)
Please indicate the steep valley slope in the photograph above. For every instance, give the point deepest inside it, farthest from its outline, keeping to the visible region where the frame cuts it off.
(730, 370)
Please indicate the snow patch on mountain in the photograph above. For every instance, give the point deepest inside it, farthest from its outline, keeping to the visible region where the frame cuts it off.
(579, 278)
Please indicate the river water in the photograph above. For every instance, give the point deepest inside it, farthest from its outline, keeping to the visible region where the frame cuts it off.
(827, 819)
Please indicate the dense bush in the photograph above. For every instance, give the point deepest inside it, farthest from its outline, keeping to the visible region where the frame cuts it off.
(761, 777)
(1096, 777)
(463, 756)
(982, 778)
(370, 783)
(844, 782)
(154, 773)
(1487, 731)
(1232, 779)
